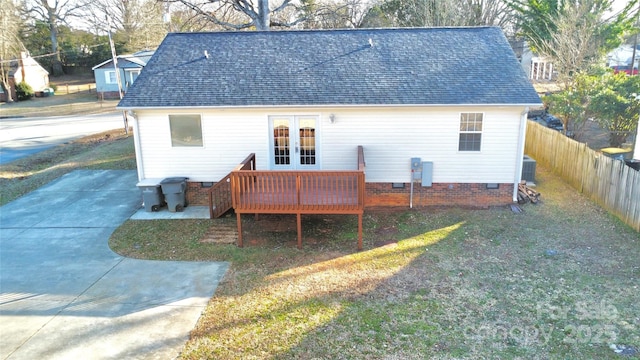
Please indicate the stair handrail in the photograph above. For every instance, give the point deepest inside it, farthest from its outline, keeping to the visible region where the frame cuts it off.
(220, 193)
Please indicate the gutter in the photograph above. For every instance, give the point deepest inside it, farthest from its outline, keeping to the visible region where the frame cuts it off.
(520, 152)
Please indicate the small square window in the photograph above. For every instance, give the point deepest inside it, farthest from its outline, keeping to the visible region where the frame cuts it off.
(493, 186)
(397, 185)
(186, 130)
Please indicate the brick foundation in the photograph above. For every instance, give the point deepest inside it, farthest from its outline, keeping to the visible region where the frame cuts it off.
(384, 195)
(196, 194)
(447, 194)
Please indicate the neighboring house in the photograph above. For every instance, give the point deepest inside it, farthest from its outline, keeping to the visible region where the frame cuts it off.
(620, 59)
(28, 70)
(536, 67)
(456, 98)
(129, 67)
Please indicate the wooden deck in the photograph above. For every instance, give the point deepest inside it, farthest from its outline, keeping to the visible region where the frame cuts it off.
(298, 192)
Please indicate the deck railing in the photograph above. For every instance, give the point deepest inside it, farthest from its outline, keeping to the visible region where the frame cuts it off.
(220, 193)
(290, 192)
(299, 192)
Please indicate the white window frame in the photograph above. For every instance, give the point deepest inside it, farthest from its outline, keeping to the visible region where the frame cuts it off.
(465, 130)
(185, 143)
(130, 73)
(295, 146)
(107, 77)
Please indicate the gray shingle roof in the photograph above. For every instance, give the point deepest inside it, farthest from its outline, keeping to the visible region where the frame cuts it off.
(136, 60)
(418, 66)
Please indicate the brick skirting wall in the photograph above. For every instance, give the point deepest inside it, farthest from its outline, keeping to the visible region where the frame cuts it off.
(197, 194)
(383, 194)
(444, 194)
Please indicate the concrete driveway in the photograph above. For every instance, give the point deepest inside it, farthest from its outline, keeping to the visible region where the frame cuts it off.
(65, 295)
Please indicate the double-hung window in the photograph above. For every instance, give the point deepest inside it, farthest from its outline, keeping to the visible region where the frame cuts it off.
(186, 130)
(470, 132)
(110, 77)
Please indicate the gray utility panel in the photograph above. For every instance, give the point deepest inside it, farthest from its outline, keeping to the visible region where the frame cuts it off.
(427, 173)
(422, 170)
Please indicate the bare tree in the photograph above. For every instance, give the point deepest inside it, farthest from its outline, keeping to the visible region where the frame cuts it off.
(10, 44)
(55, 13)
(574, 46)
(574, 35)
(333, 15)
(443, 13)
(184, 19)
(489, 12)
(259, 15)
(138, 23)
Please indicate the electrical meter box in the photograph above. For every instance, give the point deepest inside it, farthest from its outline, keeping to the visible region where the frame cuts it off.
(416, 169)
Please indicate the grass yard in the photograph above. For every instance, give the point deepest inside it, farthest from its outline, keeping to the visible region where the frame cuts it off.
(560, 281)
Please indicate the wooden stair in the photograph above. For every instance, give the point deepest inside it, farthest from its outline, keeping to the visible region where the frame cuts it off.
(220, 197)
(220, 193)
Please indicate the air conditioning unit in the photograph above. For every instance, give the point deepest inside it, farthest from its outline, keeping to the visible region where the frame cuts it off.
(528, 169)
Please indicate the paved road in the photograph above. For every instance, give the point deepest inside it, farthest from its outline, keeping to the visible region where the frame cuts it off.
(21, 137)
(65, 295)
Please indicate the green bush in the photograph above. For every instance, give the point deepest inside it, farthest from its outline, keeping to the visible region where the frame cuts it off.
(24, 91)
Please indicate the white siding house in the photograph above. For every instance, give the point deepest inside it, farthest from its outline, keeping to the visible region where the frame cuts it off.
(382, 89)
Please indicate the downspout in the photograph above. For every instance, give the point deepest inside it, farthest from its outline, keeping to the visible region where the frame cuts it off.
(520, 153)
(137, 146)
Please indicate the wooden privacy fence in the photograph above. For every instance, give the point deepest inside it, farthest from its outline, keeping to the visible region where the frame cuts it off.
(610, 183)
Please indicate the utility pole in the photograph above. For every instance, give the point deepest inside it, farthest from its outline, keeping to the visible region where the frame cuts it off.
(115, 67)
(635, 45)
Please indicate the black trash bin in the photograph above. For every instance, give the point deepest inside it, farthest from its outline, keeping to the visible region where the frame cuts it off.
(174, 189)
(151, 194)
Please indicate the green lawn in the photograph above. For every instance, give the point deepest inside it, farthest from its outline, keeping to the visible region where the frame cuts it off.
(559, 281)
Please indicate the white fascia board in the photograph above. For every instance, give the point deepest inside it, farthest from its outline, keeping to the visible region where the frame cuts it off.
(101, 64)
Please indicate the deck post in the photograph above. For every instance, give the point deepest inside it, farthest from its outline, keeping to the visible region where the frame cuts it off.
(359, 231)
(299, 219)
(239, 221)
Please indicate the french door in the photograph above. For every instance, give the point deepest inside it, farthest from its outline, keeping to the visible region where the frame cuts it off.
(293, 142)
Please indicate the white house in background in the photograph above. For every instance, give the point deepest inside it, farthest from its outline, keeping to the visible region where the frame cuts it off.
(456, 98)
(129, 67)
(25, 69)
(536, 67)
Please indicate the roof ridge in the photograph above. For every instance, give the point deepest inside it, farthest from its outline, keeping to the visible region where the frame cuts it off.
(308, 31)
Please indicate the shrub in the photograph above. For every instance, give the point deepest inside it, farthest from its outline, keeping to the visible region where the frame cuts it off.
(24, 91)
